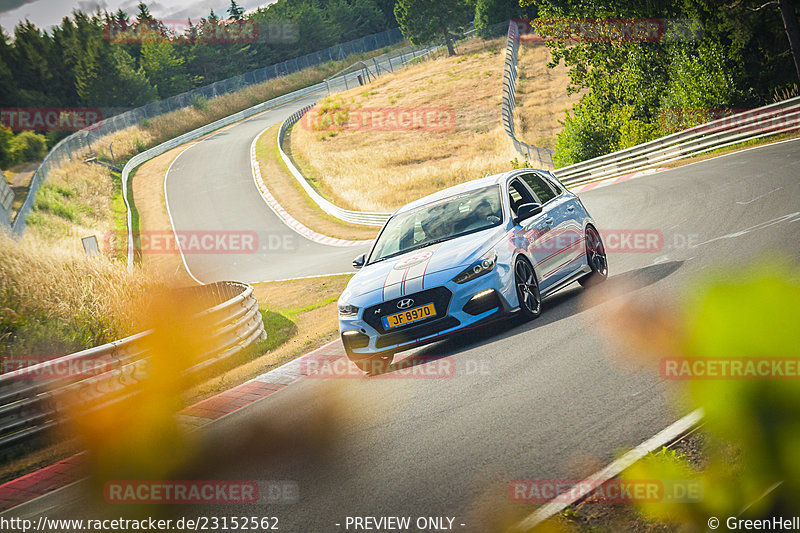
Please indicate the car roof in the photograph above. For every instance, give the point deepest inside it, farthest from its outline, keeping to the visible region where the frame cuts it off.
(467, 186)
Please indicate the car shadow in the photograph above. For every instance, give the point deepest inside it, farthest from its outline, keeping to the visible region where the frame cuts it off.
(563, 304)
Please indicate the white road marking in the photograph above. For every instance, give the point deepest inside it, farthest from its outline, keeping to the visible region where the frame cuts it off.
(760, 197)
(762, 225)
(586, 486)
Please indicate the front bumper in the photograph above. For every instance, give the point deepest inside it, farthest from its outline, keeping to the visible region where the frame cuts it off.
(457, 309)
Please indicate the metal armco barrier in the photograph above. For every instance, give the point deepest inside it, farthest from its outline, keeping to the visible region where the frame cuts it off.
(80, 143)
(542, 157)
(355, 217)
(781, 117)
(37, 398)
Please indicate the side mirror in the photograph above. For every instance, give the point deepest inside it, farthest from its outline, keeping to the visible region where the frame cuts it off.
(359, 261)
(526, 211)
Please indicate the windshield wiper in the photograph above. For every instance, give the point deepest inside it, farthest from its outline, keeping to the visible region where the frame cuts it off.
(431, 243)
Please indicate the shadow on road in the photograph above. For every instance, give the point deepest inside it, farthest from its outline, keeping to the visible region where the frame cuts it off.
(563, 304)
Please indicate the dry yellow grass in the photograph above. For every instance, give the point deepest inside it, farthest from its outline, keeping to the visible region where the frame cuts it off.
(541, 96)
(367, 169)
(54, 300)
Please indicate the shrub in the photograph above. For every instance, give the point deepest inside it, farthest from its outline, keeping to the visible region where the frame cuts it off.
(700, 77)
(29, 146)
(633, 131)
(587, 133)
(200, 103)
(6, 152)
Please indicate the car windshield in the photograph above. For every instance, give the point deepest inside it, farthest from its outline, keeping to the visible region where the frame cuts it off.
(439, 221)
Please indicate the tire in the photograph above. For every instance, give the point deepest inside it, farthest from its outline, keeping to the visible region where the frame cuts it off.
(596, 258)
(527, 286)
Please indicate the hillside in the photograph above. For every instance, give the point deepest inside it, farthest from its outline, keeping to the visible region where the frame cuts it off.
(360, 164)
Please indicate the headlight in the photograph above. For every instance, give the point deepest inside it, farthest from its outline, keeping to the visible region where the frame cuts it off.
(478, 269)
(347, 310)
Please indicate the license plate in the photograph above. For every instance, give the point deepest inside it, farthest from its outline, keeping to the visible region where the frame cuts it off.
(406, 317)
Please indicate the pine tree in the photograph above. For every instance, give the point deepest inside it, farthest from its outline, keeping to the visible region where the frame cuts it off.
(235, 11)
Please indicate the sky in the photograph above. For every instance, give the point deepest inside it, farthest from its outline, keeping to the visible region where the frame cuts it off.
(47, 13)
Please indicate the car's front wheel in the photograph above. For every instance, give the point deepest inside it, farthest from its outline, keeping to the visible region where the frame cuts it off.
(596, 257)
(530, 299)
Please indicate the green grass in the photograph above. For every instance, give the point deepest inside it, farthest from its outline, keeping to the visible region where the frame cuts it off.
(279, 328)
(55, 200)
(322, 303)
(119, 217)
(38, 335)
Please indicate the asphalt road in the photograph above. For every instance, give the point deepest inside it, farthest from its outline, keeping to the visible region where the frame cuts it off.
(210, 190)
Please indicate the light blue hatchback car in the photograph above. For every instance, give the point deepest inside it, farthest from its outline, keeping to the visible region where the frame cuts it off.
(463, 256)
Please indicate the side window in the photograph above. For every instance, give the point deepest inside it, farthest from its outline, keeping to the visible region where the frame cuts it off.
(543, 190)
(518, 195)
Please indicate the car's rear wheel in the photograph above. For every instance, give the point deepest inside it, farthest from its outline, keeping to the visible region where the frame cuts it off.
(530, 299)
(596, 257)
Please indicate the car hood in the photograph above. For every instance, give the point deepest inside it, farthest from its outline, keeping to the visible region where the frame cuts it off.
(409, 269)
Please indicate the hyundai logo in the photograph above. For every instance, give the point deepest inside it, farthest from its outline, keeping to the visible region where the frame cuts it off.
(405, 303)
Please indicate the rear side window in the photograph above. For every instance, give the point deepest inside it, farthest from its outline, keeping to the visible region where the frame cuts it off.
(542, 188)
(518, 195)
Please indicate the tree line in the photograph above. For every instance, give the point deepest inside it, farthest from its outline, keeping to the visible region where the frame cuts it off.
(632, 91)
(740, 57)
(119, 60)
(84, 62)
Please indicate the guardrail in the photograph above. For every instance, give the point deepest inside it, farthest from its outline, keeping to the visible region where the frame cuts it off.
(80, 143)
(355, 217)
(37, 398)
(544, 156)
(773, 119)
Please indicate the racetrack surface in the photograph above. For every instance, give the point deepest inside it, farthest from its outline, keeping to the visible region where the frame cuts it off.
(209, 190)
(535, 400)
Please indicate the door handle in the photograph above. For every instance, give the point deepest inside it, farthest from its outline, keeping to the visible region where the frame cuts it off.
(548, 221)
(571, 208)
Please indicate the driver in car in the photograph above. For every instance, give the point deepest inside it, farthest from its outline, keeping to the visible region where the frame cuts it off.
(485, 213)
(436, 225)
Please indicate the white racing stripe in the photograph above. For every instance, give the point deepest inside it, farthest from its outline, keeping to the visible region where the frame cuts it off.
(408, 275)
